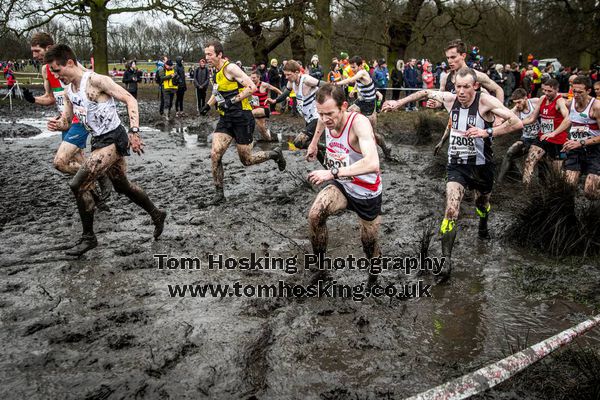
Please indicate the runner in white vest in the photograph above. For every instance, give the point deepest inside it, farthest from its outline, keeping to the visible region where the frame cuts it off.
(91, 96)
(470, 157)
(352, 169)
(583, 145)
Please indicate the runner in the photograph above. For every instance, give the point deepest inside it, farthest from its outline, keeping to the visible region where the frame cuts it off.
(522, 109)
(583, 146)
(352, 167)
(470, 157)
(69, 155)
(367, 96)
(305, 87)
(231, 90)
(92, 98)
(554, 122)
(456, 53)
(260, 109)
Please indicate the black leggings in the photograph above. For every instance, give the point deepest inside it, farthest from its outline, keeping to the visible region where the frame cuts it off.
(179, 100)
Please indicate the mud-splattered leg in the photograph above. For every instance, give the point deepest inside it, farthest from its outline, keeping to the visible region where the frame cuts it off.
(369, 236)
(329, 201)
(482, 207)
(533, 157)
(515, 151)
(117, 174)
(454, 194)
(572, 178)
(592, 187)
(68, 158)
(220, 144)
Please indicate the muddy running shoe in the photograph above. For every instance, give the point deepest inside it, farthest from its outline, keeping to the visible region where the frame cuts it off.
(447, 245)
(277, 155)
(85, 244)
(483, 231)
(158, 218)
(218, 198)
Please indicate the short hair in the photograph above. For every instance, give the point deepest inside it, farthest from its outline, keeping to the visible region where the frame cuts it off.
(292, 66)
(583, 80)
(519, 94)
(330, 91)
(466, 71)
(553, 83)
(218, 46)
(61, 53)
(457, 44)
(42, 39)
(356, 60)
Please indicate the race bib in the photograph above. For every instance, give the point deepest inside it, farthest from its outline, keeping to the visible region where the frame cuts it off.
(337, 160)
(299, 106)
(579, 132)
(461, 146)
(218, 96)
(81, 114)
(254, 102)
(59, 96)
(530, 131)
(546, 125)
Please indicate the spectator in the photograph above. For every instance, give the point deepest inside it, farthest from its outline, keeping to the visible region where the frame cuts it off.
(160, 67)
(381, 76)
(131, 77)
(334, 74)
(427, 76)
(167, 77)
(262, 72)
(509, 83)
(315, 69)
(201, 81)
(274, 80)
(410, 81)
(397, 79)
(181, 86)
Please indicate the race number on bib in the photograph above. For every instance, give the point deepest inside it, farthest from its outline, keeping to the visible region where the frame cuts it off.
(254, 102)
(579, 132)
(337, 160)
(530, 131)
(218, 96)
(81, 114)
(59, 96)
(546, 125)
(460, 145)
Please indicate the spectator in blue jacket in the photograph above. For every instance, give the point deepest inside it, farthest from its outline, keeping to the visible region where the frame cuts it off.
(381, 76)
(411, 81)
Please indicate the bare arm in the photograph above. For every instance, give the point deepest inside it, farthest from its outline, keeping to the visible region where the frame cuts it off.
(445, 98)
(113, 89)
(47, 99)
(273, 88)
(490, 85)
(282, 96)
(62, 122)
(534, 114)
(351, 79)
(240, 76)
(494, 105)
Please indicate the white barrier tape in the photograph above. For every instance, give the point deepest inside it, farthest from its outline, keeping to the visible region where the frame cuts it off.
(488, 377)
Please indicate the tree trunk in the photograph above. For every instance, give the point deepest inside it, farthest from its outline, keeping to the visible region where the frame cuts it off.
(298, 32)
(324, 31)
(98, 33)
(400, 31)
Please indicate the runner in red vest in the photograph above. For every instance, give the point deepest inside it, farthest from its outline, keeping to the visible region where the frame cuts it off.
(554, 121)
(69, 155)
(260, 109)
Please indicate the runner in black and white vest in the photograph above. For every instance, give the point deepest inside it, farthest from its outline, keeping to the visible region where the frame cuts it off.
(583, 145)
(91, 97)
(522, 109)
(470, 157)
(366, 99)
(352, 168)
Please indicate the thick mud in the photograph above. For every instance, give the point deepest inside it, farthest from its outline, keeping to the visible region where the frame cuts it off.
(104, 326)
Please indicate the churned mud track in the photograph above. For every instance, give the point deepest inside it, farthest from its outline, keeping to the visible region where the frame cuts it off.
(105, 327)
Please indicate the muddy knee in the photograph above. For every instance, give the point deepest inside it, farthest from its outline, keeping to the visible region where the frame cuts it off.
(317, 216)
(79, 181)
(245, 159)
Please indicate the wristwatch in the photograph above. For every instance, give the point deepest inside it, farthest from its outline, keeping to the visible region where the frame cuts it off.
(335, 171)
(490, 132)
(134, 129)
(582, 142)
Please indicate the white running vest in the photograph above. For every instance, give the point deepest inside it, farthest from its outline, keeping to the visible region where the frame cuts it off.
(530, 131)
(582, 126)
(468, 150)
(97, 118)
(307, 106)
(341, 154)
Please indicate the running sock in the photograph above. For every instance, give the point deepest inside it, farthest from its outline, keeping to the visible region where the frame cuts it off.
(447, 225)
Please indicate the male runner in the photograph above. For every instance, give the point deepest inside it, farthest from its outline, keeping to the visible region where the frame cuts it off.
(91, 97)
(554, 122)
(69, 155)
(260, 109)
(470, 157)
(352, 167)
(522, 109)
(367, 96)
(583, 146)
(456, 53)
(231, 90)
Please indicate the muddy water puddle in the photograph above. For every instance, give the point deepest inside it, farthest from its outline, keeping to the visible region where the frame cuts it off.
(126, 333)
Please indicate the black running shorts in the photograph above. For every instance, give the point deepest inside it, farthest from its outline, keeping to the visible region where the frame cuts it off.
(240, 126)
(476, 177)
(366, 209)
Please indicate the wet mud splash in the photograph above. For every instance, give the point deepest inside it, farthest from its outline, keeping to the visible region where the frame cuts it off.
(105, 327)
